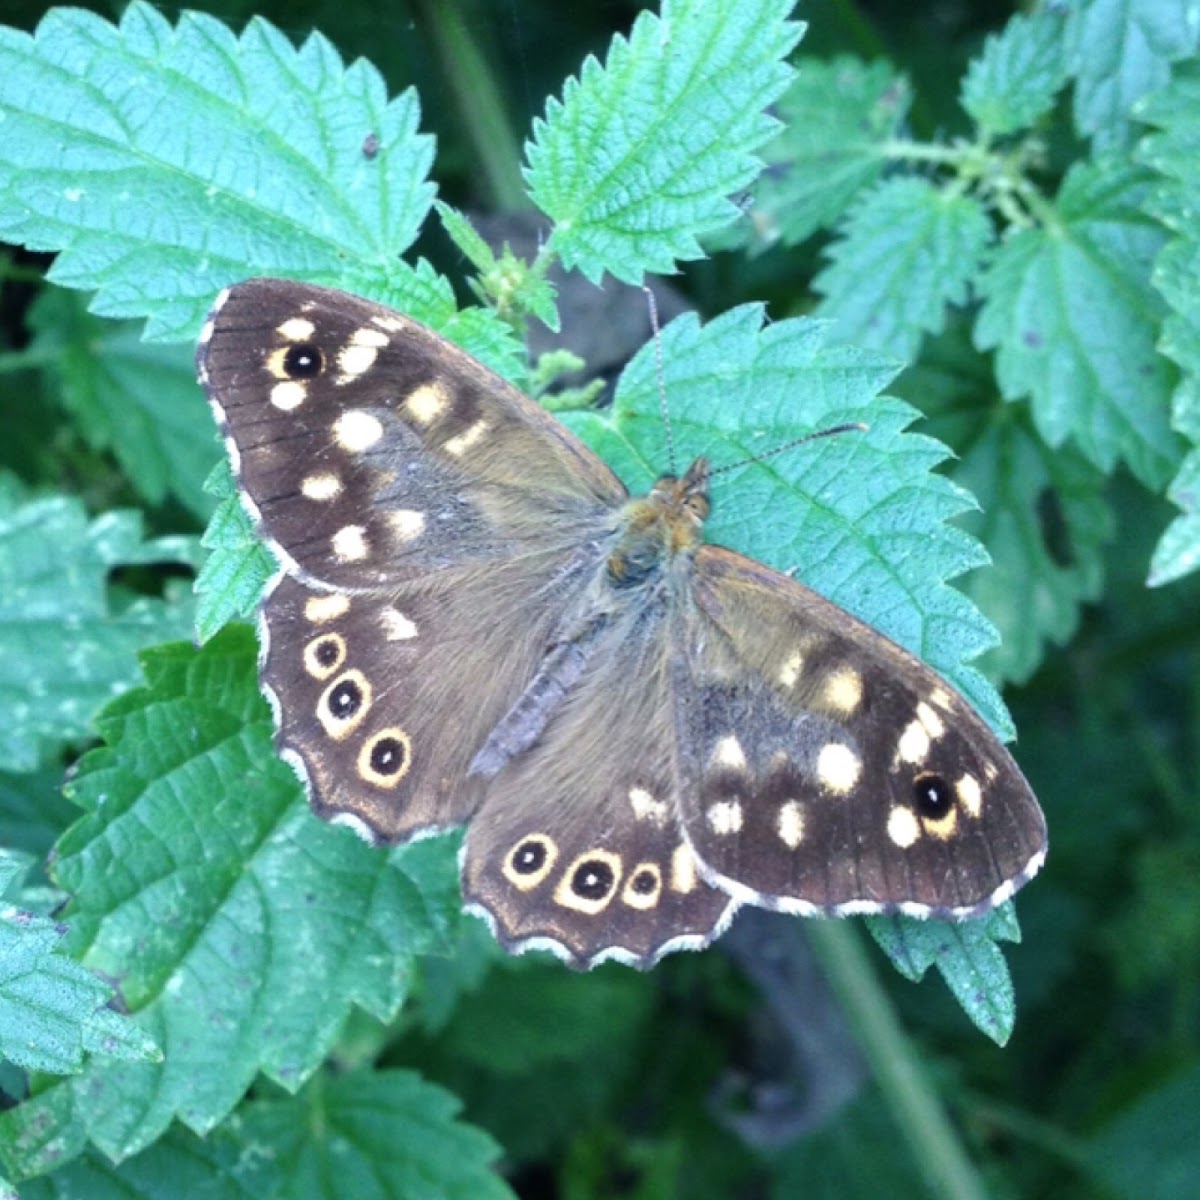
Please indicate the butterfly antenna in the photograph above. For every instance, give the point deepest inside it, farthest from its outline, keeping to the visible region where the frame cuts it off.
(652, 305)
(849, 427)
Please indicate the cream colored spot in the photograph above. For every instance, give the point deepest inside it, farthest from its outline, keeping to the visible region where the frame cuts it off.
(525, 854)
(459, 445)
(426, 403)
(322, 487)
(396, 626)
(934, 725)
(791, 824)
(941, 698)
(903, 827)
(354, 360)
(790, 671)
(297, 329)
(647, 897)
(914, 743)
(990, 772)
(646, 807)
(319, 609)
(344, 704)
(944, 827)
(385, 765)
(393, 324)
(970, 795)
(583, 875)
(288, 395)
(350, 544)
(725, 817)
(844, 690)
(369, 337)
(406, 523)
(356, 431)
(728, 752)
(324, 655)
(838, 767)
(683, 869)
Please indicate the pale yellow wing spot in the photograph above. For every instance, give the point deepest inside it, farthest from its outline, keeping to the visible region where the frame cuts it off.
(843, 690)
(934, 725)
(472, 435)
(725, 817)
(789, 670)
(944, 827)
(646, 807)
(913, 745)
(903, 827)
(396, 626)
(356, 431)
(838, 767)
(791, 824)
(728, 752)
(970, 795)
(350, 544)
(406, 523)
(297, 329)
(288, 395)
(426, 403)
(683, 870)
(321, 609)
(321, 488)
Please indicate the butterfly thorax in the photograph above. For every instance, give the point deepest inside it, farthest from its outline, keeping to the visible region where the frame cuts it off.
(668, 521)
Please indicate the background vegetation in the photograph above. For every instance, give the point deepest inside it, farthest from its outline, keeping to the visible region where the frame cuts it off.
(205, 991)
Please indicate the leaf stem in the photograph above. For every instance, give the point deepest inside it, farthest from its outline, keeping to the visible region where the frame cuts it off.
(903, 1083)
(480, 103)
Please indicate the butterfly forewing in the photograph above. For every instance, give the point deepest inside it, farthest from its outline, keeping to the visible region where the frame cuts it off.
(374, 451)
(826, 769)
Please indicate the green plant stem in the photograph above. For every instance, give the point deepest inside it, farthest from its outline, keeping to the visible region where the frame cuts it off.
(479, 102)
(903, 1083)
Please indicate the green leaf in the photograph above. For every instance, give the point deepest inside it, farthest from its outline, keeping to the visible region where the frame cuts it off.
(54, 568)
(1173, 150)
(639, 157)
(1014, 80)
(138, 400)
(837, 117)
(52, 1012)
(385, 1134)
(1150, 1151)
(239, 566)
(966, 954)
(240, 928)
(1073, 318)
(1118, 51)
(236, 149)
(1044, 520)
(906, 251)
(860, 515)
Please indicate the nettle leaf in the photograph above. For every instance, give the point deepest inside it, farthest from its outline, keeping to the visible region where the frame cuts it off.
(238, 928)
(53, 1012)
(837, 117)
(1118, 51)
(639, 157)
(967, 955)
(860, 516)
(383, 1133)
(1015, 79)
(1172, 151)
(131, 397)
(232, 149)
(54, 576)
(1074, 320)
(907, 250)
(1045, 521)
(239, 565)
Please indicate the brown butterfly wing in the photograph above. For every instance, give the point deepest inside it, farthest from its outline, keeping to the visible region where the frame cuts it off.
(826, 769)
(576, 846)
(432, 524)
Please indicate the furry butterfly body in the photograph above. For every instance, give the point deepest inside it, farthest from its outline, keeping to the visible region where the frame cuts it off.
(475, 624)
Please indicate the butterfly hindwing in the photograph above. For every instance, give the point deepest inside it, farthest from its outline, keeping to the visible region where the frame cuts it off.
(826, 769)
(577, 845)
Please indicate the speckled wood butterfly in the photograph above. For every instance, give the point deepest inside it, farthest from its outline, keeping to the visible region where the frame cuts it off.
(475, 623)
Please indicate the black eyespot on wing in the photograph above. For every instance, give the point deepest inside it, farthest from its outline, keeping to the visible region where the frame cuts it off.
(327, 652)
(530, 857)
(345, 699)
(303, 361)
(593, 879)
(389, 756)
(934, 796)
(643, 882)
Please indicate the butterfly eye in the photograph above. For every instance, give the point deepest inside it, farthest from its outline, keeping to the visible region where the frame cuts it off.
(934, 796)
(303, 361)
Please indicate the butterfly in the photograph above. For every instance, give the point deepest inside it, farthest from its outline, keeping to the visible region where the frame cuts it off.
(475, 623)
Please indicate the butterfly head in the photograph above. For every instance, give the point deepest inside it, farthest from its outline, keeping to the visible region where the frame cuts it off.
(662, 525)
